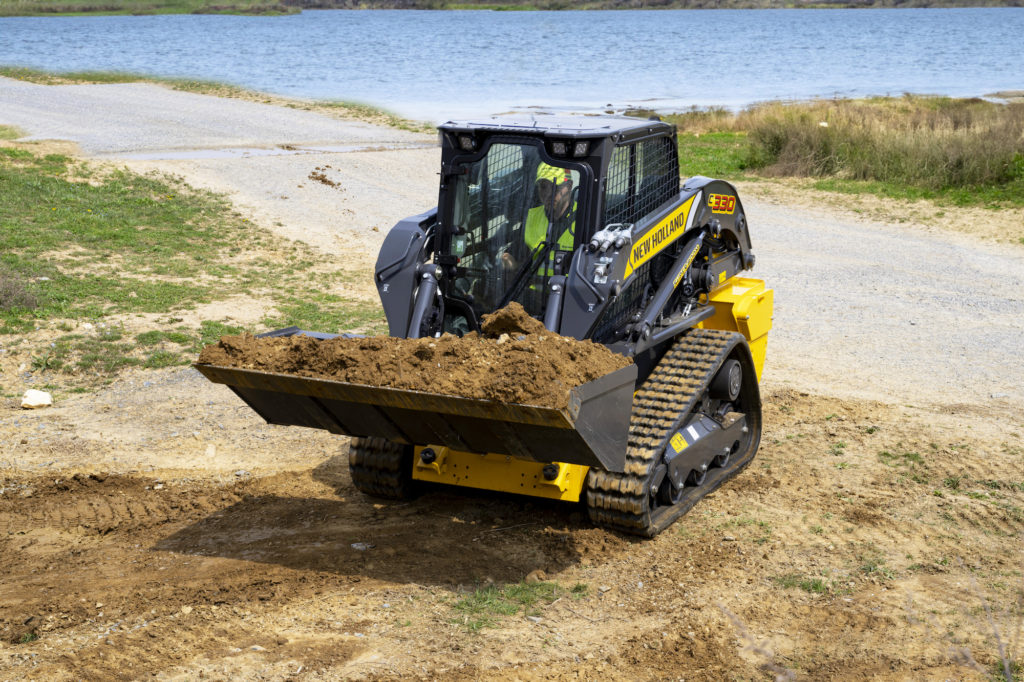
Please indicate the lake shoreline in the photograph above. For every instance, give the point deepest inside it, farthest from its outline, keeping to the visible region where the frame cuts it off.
(390, 59)
(55, 8)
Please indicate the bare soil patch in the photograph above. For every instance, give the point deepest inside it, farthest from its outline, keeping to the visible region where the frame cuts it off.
(829, 561)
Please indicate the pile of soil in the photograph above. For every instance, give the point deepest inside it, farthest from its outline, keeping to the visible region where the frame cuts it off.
(514, 360)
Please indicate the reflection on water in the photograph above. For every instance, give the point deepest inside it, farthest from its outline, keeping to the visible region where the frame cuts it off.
(440, 64)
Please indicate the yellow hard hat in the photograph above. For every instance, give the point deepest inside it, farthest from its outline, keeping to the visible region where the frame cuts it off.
(557, 176)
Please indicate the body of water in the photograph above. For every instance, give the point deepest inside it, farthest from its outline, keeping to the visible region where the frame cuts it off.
(437, 64)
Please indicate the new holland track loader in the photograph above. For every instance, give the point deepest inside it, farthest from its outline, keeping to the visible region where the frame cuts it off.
(584, 222)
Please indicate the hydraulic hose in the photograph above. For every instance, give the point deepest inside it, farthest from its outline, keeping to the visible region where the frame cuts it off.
(424, 299)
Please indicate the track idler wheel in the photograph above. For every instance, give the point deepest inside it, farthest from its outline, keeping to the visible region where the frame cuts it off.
(727, 382)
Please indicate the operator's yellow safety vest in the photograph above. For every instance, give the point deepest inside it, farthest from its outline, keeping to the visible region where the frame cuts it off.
(536, 230)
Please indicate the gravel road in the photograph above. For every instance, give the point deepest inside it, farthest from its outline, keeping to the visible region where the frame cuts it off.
(889, 312)
(864, 309)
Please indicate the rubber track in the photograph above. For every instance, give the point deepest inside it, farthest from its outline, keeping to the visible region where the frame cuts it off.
(620, 501)
(380, 467)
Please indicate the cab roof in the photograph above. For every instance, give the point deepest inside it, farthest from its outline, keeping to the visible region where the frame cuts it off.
(616, 127)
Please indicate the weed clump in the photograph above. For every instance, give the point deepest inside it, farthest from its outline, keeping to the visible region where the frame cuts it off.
(14, 295)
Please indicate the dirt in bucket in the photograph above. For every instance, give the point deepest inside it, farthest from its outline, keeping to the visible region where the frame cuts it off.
(514, 360)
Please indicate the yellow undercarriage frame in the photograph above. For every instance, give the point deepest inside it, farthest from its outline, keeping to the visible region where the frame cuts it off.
(741, 304)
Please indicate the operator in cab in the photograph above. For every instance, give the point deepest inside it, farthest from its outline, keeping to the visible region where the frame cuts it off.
(554, 220)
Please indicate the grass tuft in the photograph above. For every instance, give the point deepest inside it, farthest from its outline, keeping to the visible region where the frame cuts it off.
(813, 585)
(484, 607)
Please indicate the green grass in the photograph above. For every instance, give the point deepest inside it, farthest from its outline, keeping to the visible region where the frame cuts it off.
(715, 155)
(320, 311)
(369, 112)
(957, 151)
(900, 458)
(92, 246)
(1009, 670)
(193, 85)
(875, 566)
(83, 252)
(485, 607)
(157, 336)
(30, 75)
(760, 531)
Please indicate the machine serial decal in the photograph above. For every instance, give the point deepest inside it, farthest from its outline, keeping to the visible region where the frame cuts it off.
(660, 236)
(722, 203)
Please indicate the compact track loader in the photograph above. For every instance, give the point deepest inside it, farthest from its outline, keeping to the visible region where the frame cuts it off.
(585, 223)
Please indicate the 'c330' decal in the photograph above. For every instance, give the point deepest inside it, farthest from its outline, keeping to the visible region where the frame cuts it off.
(722, 203)
(660, 236)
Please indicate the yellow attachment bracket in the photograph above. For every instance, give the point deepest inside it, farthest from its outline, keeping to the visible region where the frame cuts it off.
(500, 472)
(744, 305)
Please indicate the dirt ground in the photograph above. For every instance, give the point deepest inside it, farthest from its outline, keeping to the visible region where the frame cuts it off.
(160, 529)
(157, 528)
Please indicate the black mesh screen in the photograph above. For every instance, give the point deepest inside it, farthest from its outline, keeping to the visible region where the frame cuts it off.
(616, 193)
(641, 177)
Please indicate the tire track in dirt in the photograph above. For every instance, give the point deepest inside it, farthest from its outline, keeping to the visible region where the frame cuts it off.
(101, 504)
